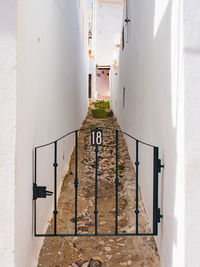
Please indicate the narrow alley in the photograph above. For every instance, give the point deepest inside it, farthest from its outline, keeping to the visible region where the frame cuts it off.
(99, 133)
(99, 251)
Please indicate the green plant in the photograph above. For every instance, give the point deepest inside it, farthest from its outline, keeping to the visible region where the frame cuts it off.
(99, 113)
(121, 167)
(102, 104)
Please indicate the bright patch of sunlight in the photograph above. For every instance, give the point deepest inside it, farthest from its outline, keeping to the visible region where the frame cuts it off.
(175, 68)
(180, 194)
(160, 8)
(179, 209)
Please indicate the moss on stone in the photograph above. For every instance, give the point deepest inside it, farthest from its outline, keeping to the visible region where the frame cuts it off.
(99, 113)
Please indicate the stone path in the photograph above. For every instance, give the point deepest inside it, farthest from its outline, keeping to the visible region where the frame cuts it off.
(99, 251)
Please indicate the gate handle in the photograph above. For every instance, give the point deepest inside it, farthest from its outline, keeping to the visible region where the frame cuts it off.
(40, 192)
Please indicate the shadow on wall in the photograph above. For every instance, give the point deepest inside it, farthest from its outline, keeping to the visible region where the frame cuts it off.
(51, 101)
(150, 113)
(168, 132)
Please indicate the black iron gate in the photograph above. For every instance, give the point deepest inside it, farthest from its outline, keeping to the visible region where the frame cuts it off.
(96, 140)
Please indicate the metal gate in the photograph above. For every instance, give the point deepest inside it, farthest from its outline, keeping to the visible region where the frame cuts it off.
(96, 141)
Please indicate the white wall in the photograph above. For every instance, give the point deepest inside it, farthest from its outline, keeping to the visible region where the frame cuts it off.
(150, 68)
(191, 23)
(7, 129)
(52, 76)
(108, 29)
(92, 44)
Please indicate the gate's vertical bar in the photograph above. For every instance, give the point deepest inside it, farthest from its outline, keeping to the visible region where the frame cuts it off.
(76, 179)
(155, 190)
(116, 184)
(137, 166)
(35, 174)
(55, 188)
(96, 190)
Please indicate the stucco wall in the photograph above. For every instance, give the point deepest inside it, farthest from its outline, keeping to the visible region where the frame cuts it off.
(52, 78)
(108, 29)
(150, 69)
(7, 129)
(191, 48)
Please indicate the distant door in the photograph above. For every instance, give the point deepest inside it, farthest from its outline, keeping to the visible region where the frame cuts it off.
(90, 86)
(103, 83)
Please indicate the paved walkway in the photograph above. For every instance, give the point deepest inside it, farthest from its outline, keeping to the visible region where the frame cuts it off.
(99, 251)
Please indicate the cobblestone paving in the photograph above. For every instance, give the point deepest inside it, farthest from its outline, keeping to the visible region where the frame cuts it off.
(99, 251)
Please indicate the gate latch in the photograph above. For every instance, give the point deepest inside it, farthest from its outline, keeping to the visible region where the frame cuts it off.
(159, 216)
(160, 165)
(40, 192)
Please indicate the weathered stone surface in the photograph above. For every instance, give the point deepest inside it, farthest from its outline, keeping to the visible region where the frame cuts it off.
(101, 243)
(109, 257)
(113, 210)
(96, 258)
(107, 249)
(80, 263)
(95, 263)
(83, 228)
(105, 265)
(86, 264)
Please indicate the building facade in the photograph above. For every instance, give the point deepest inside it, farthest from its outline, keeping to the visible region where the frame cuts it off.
(43, 81)
(155, 96)
(105, 27)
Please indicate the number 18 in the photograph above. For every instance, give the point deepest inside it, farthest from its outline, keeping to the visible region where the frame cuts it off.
(96, 137)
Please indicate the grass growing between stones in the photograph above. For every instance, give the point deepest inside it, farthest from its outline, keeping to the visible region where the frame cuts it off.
(102, 109)
(100, 113)
(121, 167)
(102, 104)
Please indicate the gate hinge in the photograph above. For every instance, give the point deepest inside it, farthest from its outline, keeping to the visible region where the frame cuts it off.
(159, 216)
(127, 20)
(160, 165)
(40, 192)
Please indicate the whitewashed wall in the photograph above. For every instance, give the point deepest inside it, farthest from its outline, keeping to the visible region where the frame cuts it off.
(191, 46)
(162, 108)
(108, 29)
(92, 42)
(7, 129)
(52, 76)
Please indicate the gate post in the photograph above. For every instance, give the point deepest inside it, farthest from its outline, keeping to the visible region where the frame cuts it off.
(116, 184)
(96, 190)
(137, 185)
(35, 180)
(76, 182)
(55, 212)
(156, 210)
